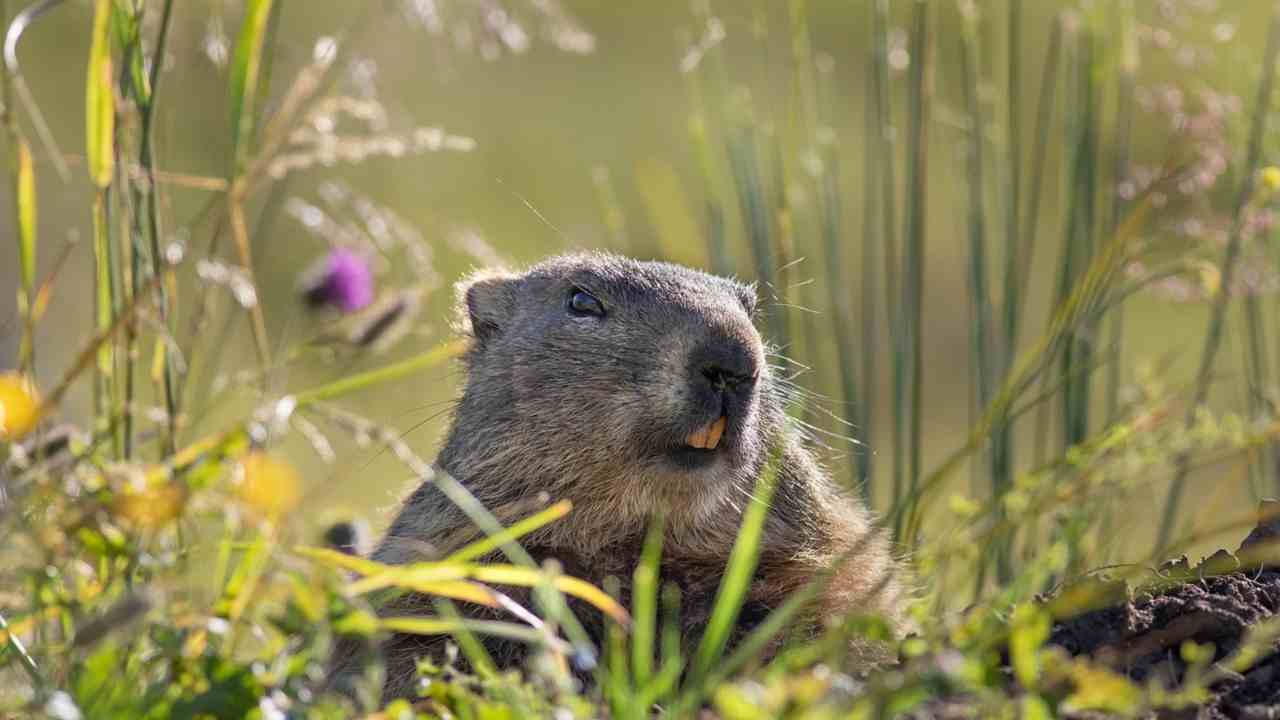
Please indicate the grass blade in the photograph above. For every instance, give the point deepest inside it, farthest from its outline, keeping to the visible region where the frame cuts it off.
(978, 287)
(981, 347)
(100, 161)
(450, 589)
(416, 625)
(1080, 241)
(919, 104)
(778, 621)
(1125, 91)
(103, 303)
(868, 316)
(25, 200)
(1013, 137)
(341, 560)
(449, 579)
(100, 113)
(13, 642)
(673, 655)
(618, 688)
(528, 577)
(245, 68)
(644, 603)
(165, 351)
(483, 547)
(885, 178)
(734, 586)
(378, 376)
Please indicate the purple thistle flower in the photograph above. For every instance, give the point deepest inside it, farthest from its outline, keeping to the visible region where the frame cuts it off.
(341, 279)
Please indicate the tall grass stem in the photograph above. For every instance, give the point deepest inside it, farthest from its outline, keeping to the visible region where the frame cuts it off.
(919, 116)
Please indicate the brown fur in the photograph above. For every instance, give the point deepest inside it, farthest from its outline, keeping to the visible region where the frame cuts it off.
(596, 409)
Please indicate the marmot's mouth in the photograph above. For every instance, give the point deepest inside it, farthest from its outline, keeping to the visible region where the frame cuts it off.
(708, 436)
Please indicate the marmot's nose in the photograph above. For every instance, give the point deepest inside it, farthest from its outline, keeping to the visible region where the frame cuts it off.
(727, 366)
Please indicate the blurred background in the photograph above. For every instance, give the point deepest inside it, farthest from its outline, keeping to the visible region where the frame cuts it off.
(660, 130)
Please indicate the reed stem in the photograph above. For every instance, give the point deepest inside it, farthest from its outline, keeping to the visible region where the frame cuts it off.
(158, 265)
(919, 108)
(885, 156)
(979, 291)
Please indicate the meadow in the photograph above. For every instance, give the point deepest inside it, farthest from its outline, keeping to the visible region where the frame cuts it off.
(1020, 257)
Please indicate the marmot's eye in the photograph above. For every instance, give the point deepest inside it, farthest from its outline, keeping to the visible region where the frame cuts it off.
(582, 302)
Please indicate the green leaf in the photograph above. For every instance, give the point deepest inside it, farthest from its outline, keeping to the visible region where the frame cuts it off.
(1033, 707)
(1101, 690)
(1031, 627)
(100, 118)
(229, 691)
(244, 75)
(96, 686)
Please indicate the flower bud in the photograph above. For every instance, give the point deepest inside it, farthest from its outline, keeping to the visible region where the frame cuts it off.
(341, 279)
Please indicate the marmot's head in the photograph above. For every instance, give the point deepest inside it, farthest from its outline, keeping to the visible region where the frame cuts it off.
(640, 384)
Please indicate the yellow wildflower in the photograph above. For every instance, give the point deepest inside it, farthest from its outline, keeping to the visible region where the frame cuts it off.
(267, 484)
(152, 503)
(19, 406)
(1270, 178)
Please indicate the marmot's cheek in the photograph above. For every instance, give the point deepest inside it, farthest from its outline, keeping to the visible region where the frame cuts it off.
(637, 417)
(671, 401)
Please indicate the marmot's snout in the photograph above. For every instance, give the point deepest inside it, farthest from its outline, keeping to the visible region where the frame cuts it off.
(722, 373)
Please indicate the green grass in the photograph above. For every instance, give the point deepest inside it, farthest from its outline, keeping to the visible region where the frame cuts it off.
(161, 562)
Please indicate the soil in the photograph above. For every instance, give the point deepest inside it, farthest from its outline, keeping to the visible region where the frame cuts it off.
(1215, 602)
(1142, 636)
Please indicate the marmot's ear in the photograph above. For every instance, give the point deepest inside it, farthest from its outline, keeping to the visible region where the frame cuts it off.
(486, 300)
(747, 296)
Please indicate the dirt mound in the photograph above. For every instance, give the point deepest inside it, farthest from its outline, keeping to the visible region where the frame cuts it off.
(1140, 632)
(1142, 637)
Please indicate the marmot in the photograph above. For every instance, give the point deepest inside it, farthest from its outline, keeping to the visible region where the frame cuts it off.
(633, 388)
